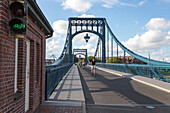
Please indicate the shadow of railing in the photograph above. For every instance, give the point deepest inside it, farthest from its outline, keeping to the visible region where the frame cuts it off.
(54, 75)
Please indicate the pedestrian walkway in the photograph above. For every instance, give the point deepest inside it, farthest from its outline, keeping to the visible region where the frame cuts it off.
(68, 95)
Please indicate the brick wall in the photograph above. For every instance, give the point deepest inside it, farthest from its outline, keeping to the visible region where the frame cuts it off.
(15, 102)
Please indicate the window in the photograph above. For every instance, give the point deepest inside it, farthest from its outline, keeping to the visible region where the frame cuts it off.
(16, 65)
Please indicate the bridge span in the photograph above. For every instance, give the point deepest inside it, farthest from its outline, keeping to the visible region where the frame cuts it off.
(108, 91)
(143, 86)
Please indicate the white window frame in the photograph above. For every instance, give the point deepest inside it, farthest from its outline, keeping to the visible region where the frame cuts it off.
(16, 65)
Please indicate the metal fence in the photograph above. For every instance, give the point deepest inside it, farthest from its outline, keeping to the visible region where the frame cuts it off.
(156, 72)
(54, 74)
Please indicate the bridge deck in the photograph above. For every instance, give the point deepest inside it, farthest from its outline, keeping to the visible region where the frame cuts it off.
(106, 92)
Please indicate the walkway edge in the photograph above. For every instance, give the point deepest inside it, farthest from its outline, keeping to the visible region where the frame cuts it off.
(148, 81)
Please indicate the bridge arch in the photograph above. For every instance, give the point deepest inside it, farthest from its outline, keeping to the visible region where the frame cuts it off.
(91, 25)
(80, 54)
(89, 31)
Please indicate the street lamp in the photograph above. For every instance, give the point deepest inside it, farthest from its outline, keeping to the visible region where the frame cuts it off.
(86, 38)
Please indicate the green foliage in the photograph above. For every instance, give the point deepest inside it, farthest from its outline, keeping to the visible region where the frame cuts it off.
(75, 59)
(90, 58)
(97, 60)
(114, 60)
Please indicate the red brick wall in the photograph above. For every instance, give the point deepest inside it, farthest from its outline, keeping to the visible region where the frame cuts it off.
(7, 65)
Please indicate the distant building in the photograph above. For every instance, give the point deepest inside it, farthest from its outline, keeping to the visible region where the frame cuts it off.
(128, 59)
(22, 61)
(49, 61)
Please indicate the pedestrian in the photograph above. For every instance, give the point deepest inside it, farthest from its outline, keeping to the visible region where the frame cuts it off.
(93, 66)
(84, 63)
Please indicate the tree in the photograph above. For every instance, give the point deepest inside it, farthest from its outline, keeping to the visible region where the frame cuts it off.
(75, 59)
(90, 58)
(114, 60)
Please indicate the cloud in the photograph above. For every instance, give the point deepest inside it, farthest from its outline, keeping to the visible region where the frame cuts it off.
(52, 45)
(86, 16)
(82, 6)
(159, 52)
(91, 48)
(152, 40)
(79, 39)
(56, 43)
(162, 55)
(111, 3)
(158, 24)
(77, 5)
(60, 27)
(142, 2)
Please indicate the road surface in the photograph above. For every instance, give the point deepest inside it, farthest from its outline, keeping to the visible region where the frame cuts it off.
(108, 93)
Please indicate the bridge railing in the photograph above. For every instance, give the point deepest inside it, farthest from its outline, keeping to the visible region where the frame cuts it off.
(156, 72)
(54, 74)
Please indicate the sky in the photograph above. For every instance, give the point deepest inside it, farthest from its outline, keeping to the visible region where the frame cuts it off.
(143, 26)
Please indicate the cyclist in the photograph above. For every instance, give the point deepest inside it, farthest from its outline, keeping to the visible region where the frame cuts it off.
(93, 66)
(84, 63)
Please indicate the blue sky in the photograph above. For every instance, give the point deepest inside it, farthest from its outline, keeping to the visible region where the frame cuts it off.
(141, 25)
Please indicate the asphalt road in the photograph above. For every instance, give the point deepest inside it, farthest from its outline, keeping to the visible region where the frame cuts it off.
(108, 93)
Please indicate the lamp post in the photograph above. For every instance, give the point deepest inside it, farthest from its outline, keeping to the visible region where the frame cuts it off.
(86, 38)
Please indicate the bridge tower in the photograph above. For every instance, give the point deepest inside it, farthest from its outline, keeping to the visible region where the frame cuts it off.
(91, 25)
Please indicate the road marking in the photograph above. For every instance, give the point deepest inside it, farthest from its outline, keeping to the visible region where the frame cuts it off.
(150, 107)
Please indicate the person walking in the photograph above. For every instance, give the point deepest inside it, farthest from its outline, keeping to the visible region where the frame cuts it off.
(84, 63)
(93, 66)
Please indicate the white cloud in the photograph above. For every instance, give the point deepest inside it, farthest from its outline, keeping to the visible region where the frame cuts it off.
(60, 27)
(82, 6)
(80, 43)
(52, 45)
(91, 48)
(77, 5)
(56, 43)
(162, 55)
(87, 16)
(158, 53)
(111, 3)
(142, 2)
(153, 39)
(79, 39)
(158, 24)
